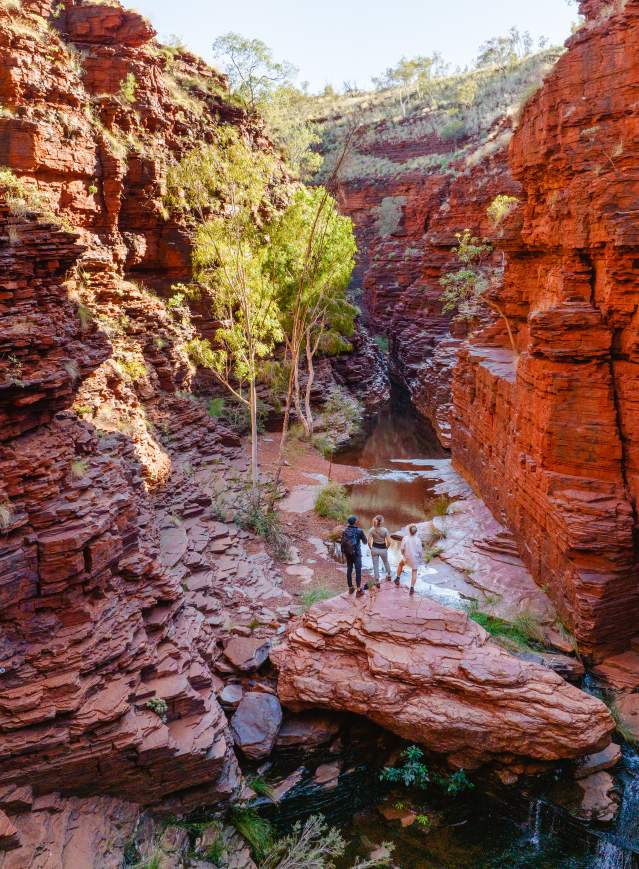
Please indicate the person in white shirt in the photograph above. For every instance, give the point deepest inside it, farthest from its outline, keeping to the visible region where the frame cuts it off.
(412, 552)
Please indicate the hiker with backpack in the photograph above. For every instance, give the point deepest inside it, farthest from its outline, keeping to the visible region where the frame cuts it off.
(351, 543)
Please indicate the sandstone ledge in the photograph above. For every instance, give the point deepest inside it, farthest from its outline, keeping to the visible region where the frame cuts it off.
(435, 677)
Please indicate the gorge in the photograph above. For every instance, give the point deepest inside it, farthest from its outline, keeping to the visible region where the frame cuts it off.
(159, 654)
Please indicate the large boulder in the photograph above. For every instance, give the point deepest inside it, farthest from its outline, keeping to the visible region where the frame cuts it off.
(435, 677)
(256, 724)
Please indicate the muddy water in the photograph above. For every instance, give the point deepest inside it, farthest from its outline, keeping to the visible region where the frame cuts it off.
(390, 444)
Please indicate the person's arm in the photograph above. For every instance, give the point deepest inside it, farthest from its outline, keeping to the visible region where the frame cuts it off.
(362, 537)
(387, 540)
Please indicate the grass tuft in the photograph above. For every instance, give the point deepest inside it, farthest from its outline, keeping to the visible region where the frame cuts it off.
(332, 502)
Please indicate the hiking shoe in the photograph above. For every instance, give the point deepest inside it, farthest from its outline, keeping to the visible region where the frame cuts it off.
(351, 590)
(360, 592)
(412, 590)
(397, 581)
(389, 578)
(378, 585)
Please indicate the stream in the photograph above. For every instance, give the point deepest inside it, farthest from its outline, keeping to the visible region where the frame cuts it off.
(473, 830)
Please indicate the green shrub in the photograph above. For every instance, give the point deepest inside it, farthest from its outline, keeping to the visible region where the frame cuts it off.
(382, 343)
(257, 831)
(128, 88)
(332, 502)
(315, 595)
(500, 208)
(454, 130)
(258, 783)
(524, 632)
(79, 467)
(215, 407)
(199, 352)
(159, 706)
(412, 773)
(256, 512)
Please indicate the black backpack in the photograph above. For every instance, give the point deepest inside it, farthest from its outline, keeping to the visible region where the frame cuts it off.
(347, 543)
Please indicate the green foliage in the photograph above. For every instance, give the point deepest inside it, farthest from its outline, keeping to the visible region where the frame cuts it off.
(22, 200)
(199, 352)
(263, 84)
(256, 830)
(454, 130)
(258, 783)
(128, 87)
(252, 72)
(524, 632)
(256, 512)
(620, 725)
(215, 407)
(439, 506)
(315, 595)
(332, 502)
(159, 706)
(382, 343)
(412, 774)
(464, 288)
(424, 821)
(458, 782)
(340, 420)
(132, 367)
(79, 467)
(285, 115)
(500, 208)
(216, 851)
(505, 51)
(313, 270)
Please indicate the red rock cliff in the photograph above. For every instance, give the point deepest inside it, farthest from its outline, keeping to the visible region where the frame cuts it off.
(116, 577)
(550, 437)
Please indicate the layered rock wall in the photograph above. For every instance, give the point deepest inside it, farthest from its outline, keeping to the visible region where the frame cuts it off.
(549, 435)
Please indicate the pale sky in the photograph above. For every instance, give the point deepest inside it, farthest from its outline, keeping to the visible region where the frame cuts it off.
(332, 41)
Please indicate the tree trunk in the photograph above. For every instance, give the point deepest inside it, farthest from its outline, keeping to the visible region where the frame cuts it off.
(253, 415)
(298, 403)
(309, 385)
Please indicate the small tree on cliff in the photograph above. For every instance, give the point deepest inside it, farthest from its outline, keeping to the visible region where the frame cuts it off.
(465, 290)
(310, 260)
(223, 188)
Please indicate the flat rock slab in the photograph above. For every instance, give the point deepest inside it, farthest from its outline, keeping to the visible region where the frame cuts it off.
(620, 671)
(256, 724)
(604, 759)
(432, 675)
(628, 707)
(247, 653)
(307, 731)
(231, 695)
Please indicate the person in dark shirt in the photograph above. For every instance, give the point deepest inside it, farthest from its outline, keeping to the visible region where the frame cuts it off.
(352, 539)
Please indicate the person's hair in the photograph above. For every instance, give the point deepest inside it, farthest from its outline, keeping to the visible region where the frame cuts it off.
(413, 529)
(377, 521)
(352, 520)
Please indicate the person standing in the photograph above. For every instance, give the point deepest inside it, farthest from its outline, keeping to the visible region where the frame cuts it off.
(351, 543)
(379, 542)
(412, 556)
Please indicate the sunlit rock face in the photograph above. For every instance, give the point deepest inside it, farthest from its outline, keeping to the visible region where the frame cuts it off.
(549, 436)
(433, 676)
